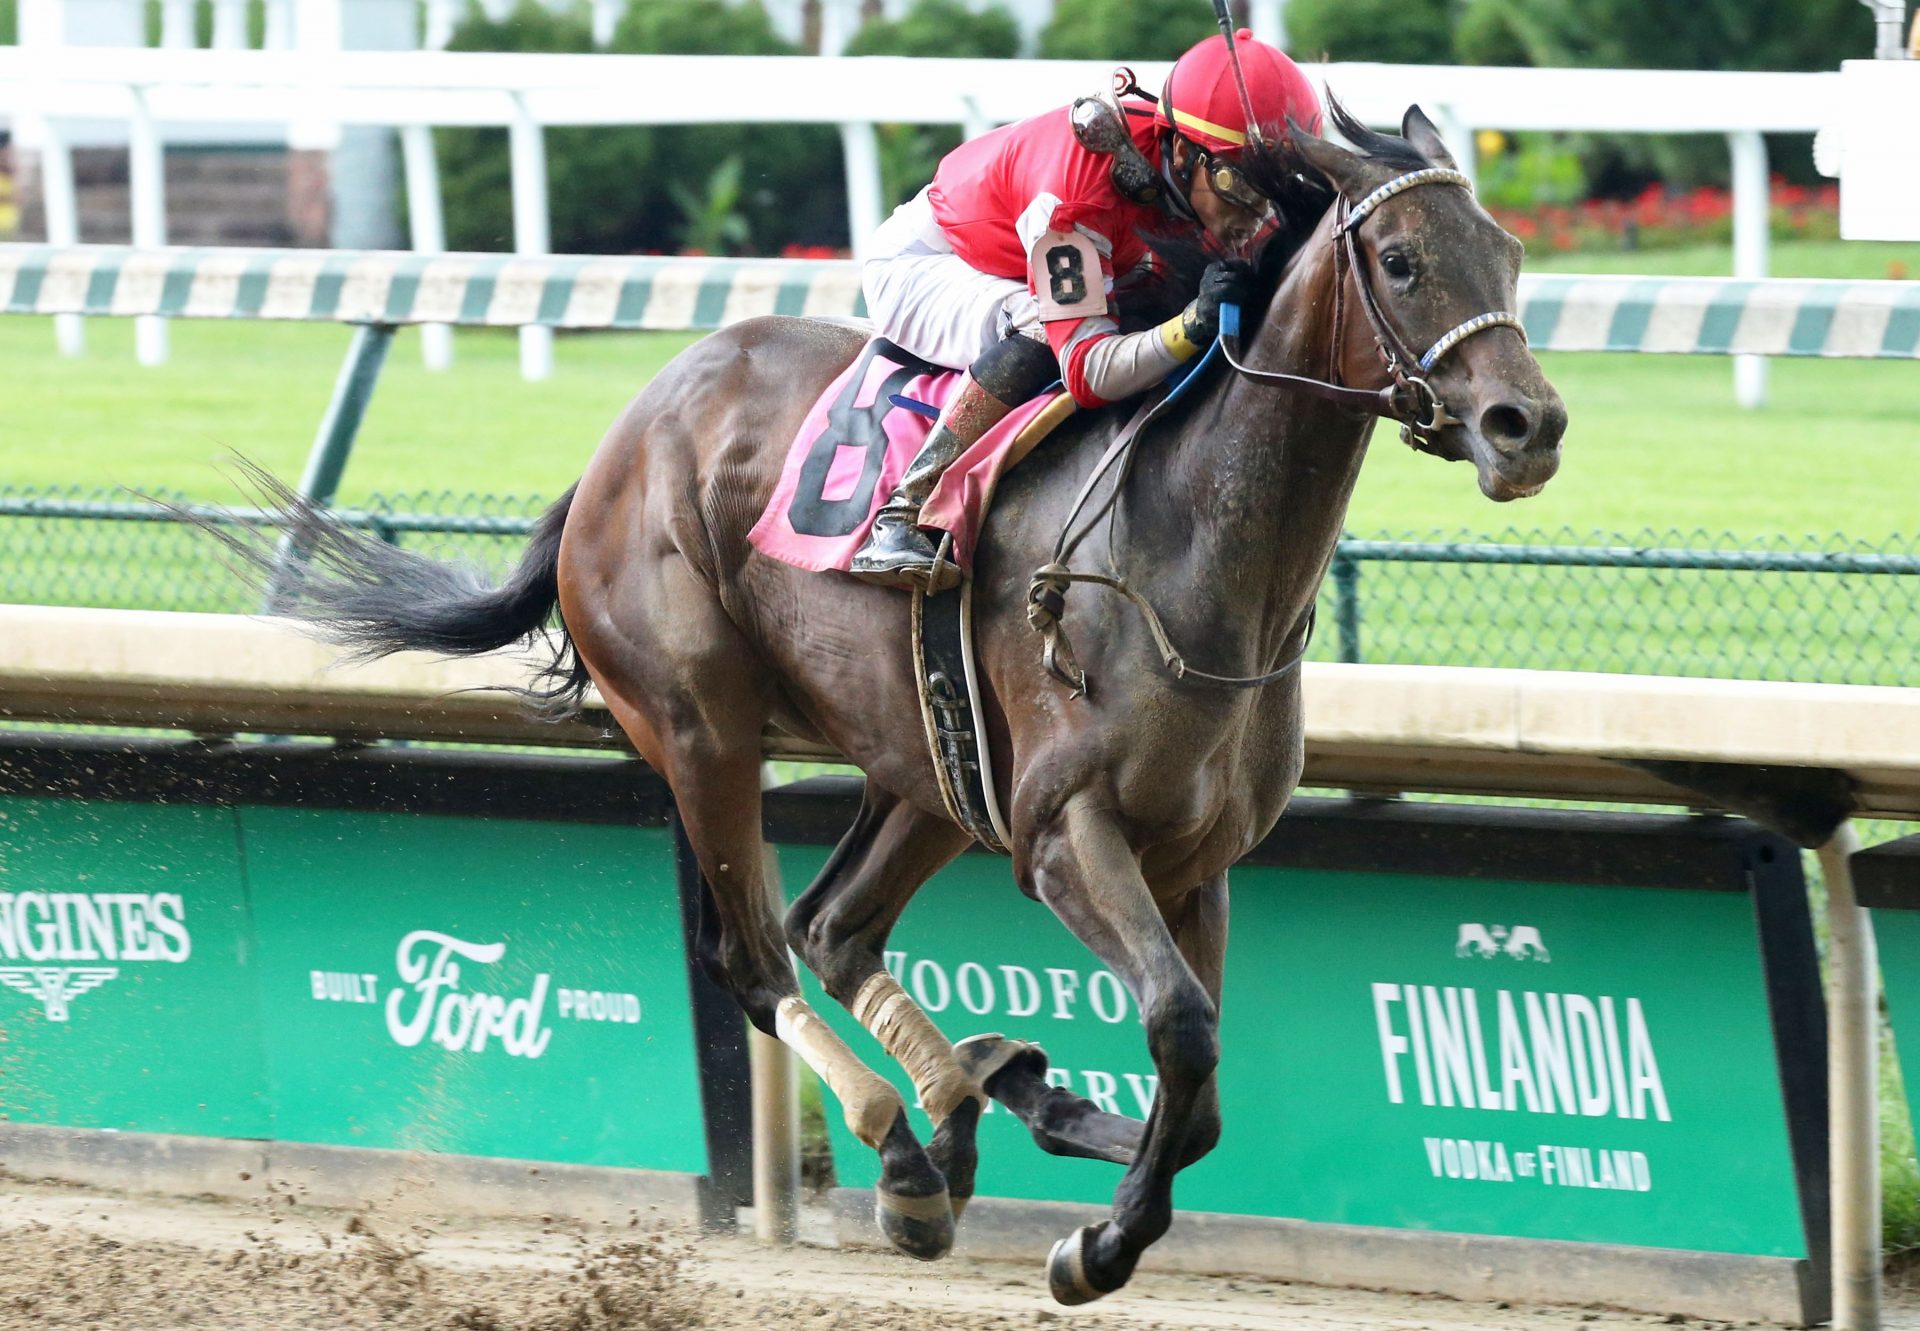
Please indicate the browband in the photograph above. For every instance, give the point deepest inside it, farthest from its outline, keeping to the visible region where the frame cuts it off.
(1432, 175)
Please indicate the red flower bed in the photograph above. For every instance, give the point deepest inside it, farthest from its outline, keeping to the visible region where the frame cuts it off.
(1660, 217)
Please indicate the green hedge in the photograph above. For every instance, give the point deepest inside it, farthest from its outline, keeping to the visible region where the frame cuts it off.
(644, 190)
(909, 153)
(1124, 30)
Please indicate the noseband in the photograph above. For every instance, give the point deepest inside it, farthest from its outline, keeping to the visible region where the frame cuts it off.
(1408, 397)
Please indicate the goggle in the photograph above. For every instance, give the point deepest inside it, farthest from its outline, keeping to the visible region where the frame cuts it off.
(1231, 184)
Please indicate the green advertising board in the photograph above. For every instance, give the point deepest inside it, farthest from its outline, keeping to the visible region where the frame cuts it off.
(1498, 1022)
(279, 958)
(127, 960)
(475, 986)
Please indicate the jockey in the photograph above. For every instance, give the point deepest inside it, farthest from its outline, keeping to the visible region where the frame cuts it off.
(1006, 263)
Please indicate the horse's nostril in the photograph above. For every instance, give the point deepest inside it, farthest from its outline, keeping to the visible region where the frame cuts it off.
(1507, 426)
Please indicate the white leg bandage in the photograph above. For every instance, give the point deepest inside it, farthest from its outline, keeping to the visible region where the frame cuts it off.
(910, 1036)
(866, 1098)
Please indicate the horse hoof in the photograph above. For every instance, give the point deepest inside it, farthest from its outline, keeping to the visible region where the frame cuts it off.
(986, 1056)
(918, 1226)
(1067, 1278)
(955, 1152)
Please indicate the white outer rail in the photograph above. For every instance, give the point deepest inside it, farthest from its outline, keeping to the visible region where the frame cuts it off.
(478, 88)
(312, 92)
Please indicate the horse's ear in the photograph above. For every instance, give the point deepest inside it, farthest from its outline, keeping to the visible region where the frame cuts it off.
(1343, 169)
(1416, 129)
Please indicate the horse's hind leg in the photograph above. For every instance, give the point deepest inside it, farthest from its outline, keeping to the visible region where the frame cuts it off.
(840, 925)
(1061, 1123)
(695, 703)
(1083, 868)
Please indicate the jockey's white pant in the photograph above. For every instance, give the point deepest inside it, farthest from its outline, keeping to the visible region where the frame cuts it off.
(929, 301)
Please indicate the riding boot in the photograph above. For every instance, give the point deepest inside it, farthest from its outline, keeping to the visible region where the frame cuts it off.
(897, 552)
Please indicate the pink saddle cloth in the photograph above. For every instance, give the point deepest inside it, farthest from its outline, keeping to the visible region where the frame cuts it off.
(855, 445)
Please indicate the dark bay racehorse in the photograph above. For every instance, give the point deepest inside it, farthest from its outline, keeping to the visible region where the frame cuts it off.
(1128, 806)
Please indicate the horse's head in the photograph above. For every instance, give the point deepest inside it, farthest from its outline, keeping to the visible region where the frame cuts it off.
(1428, 263)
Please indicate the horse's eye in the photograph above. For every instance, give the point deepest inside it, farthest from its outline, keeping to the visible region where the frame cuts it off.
(1396, 264)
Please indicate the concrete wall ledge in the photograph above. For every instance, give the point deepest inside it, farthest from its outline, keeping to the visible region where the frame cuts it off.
(1369, 727)
(1722, 1286)
(349, 1176)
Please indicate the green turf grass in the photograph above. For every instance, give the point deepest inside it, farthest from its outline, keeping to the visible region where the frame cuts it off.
(1799, 258)
(1654, 441)
(1655, 444)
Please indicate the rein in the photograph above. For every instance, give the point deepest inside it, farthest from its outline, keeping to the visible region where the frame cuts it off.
(1408, 398)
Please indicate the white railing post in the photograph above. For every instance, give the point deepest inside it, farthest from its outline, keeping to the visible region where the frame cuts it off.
(860, 146)
(1750, 238)
(1267, 18)
(429, 228)
(147, 186)
(776, 1113)
(1889, 17)
(177, 25)
(1853, 1079)
(41, 24)
(606, 16)
(443, 16)
(977, 121)
(839, 20)
(859, 142)
(230, 25)
(62, 201)
(532, 233)
(278, 32)
(1459, 136)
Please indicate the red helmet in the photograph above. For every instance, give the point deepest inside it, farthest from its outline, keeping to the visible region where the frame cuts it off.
(1202, 101)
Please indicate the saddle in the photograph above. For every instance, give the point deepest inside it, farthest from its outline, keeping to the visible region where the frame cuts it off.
(852, 448)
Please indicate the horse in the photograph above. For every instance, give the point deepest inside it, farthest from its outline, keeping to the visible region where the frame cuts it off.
(1129, 800)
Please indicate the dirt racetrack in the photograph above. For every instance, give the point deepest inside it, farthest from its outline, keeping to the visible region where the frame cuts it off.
(75, 1257)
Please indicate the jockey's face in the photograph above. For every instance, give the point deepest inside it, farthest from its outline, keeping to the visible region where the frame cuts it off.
(1226, 221)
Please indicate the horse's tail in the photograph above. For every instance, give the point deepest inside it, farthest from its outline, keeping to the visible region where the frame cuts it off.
(376, 599)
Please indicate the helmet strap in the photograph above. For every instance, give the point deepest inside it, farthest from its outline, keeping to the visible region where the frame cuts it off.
(1178, 180)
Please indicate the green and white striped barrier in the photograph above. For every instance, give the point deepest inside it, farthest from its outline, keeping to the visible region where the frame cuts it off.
(1710, 316)
(1723, 316)
(480, 290)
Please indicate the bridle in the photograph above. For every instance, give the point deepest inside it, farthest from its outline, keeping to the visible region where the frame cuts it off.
(1407, 398)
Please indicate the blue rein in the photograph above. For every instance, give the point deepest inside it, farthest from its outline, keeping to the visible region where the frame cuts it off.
(1185, 377)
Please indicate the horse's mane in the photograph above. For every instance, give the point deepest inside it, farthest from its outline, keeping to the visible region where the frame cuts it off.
(1301, 197)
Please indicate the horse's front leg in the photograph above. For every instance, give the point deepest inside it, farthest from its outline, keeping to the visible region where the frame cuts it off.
(1083, 868)
(1201, 932)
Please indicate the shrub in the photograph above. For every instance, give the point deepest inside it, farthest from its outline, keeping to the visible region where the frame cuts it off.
(643, 189)
(1398, 32)
(792, 179)
(909, 153)
(1656, 34)
(941, 28)
(1124, 29)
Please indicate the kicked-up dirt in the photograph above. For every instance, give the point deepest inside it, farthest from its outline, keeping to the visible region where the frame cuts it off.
(76, 1257)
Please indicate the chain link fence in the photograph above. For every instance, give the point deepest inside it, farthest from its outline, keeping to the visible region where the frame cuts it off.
(1669, 603)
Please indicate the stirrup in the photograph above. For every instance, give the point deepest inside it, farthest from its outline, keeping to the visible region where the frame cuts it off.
(920, 566)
